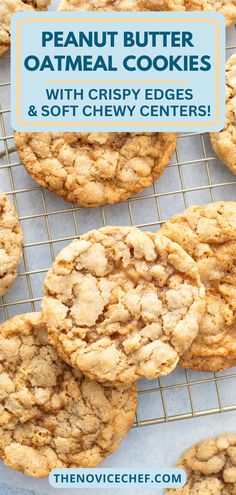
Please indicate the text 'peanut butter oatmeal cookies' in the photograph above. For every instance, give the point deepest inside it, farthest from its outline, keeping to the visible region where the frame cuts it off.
(225, 7)
(96, 168)
(11, 239)
(224, 142)
(121, 304)
(210, 467)
(9, 7)
(51, 415)
(208, 234)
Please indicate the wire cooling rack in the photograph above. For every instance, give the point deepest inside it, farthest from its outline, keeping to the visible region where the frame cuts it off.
(194, 176)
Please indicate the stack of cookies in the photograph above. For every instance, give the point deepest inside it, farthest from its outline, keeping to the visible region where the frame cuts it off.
(225, 7)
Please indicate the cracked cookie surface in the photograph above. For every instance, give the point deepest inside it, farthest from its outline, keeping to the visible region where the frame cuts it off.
(225, 7)
(210, 467)
(121, 304)
(95, 168)
(52, 416)
(224, 142)
(9, 7)
(11, 239)
(208, 234)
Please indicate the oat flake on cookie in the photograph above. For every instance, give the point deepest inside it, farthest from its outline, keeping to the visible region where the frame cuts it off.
(225, 7)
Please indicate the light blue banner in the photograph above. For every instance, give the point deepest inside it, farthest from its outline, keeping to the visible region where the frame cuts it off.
(84, 478)
(116, 71)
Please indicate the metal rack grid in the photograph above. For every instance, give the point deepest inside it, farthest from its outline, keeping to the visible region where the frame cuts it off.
(193, 176)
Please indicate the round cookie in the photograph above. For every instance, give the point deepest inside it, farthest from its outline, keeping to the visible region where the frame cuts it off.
(51, 415)
(208, 234)
(121, 304)
(11, 239)
(224, 142)
(9, 7)
(210, 467)
(225, 7)
(96, 168)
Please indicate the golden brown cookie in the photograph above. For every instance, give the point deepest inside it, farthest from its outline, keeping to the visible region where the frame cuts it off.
(225, 7)
(9, 7)
(96, 168)
(120, 5)
(208, 234)
(52, 416)
(121, 304)
(210, 467)
(11, 239)
(224, 142)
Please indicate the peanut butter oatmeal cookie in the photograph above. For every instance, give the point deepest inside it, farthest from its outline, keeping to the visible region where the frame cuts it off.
(210, 467)
(51, 415)
(11, 239)
(224, 142)
(9, 7)
(121, 304)
(226, 7)
(95, 168)
(208, 234)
